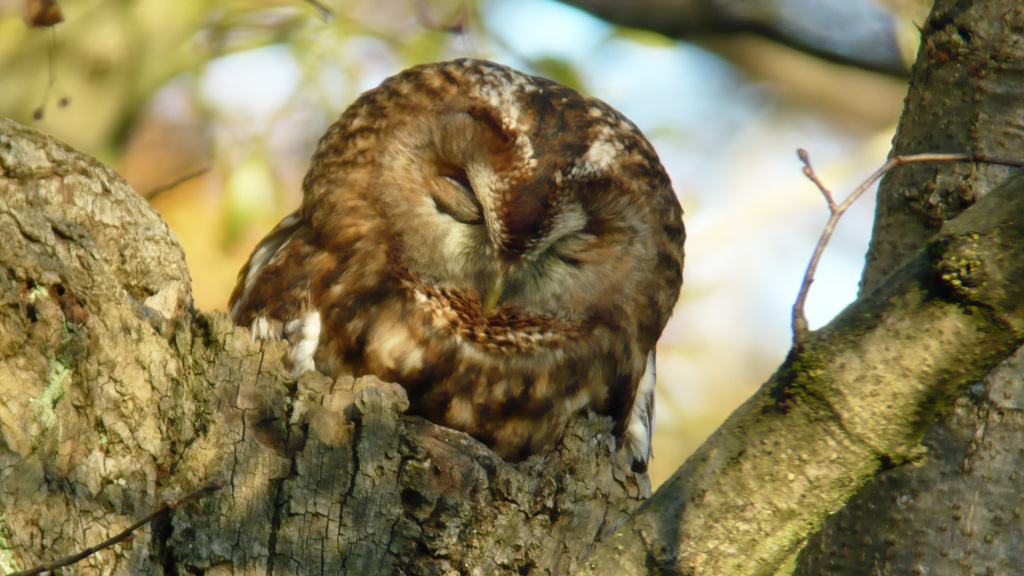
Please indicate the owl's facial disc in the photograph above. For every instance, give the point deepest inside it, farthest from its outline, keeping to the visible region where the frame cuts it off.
(502, 231)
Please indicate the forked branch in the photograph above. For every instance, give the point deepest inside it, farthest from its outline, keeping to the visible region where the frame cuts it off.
(836, 211)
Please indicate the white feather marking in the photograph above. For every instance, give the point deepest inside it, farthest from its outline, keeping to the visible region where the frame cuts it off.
(455, 245)
(524, 150)
(460, 412)
(641, 419)
(412, 360)
(485, 185)
(304, 335)
(577, 402)
(393, 347)
(261, 329)
(604, 150)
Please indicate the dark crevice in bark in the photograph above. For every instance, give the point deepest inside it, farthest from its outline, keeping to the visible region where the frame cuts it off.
(162, 530)
(277, 487)
(280, 502)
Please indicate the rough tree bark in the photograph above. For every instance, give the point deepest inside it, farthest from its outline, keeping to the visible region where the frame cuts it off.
(957, 509)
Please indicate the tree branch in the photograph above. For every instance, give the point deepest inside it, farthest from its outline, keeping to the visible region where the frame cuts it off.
(946, 513)
(836, 211)
(852, 398)
(854, 32)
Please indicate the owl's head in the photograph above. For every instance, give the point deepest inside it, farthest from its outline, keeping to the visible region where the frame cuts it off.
(512, 189)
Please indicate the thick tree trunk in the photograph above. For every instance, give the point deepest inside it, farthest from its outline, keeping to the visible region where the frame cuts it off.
(957, 508)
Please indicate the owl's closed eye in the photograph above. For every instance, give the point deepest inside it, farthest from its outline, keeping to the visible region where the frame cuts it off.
(506, 248)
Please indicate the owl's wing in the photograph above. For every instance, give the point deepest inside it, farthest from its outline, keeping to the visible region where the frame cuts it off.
(641, 418)
(272, 295)
(266, 252)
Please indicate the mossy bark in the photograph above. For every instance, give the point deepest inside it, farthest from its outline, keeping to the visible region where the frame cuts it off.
(958, 507)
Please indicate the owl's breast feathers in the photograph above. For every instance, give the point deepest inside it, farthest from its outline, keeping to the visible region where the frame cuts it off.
(505, 248)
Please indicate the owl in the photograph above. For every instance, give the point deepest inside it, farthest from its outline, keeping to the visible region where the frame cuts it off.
(505, 248)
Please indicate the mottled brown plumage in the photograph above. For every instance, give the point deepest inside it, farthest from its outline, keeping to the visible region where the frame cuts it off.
(507, 249)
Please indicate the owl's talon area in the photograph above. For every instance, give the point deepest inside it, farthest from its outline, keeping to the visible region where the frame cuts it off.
(304, 335)
(265, 329)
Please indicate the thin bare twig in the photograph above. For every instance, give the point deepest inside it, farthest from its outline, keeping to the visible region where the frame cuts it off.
(324, 11)
(836, 211)
(160, 511)
(150, 194)
(51, 83)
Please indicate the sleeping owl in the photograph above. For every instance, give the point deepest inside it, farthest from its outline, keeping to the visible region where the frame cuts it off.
(505, 248)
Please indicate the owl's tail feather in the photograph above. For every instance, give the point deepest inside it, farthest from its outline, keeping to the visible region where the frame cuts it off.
(641, 419)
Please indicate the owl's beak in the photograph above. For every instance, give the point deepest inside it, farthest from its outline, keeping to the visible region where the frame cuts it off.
(490, 301)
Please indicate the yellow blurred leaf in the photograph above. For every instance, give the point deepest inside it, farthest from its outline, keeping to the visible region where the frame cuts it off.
(250, 195)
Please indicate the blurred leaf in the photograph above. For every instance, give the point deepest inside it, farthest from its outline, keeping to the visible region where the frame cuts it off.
(250, 196)
(559, 70)
(643, 37)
